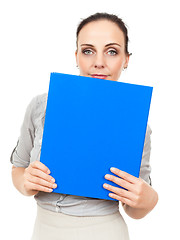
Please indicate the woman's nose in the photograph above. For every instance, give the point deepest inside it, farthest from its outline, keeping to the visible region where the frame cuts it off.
(99, 61)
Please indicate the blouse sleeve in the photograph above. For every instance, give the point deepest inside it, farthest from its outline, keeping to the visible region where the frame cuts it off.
(20, 156)
(145, 169)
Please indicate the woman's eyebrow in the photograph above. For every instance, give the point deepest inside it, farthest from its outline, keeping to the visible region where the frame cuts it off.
(90, 45)
(109, 44)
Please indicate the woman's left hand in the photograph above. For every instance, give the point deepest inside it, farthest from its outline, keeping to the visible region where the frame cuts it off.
(139, 195)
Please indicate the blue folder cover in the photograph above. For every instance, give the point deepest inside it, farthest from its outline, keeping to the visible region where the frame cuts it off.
(91, 125)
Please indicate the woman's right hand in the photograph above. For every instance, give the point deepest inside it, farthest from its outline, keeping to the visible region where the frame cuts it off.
(37, 178)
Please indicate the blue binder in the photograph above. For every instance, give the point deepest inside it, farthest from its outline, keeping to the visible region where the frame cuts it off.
(91, 125)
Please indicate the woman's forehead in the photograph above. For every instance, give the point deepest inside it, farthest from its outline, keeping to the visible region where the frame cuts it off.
(101, 31)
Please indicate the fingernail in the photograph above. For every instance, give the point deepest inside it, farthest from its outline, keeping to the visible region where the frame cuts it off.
(52, 180)
(112, 169)
(107, 176)
(55, 185)
(48, 171)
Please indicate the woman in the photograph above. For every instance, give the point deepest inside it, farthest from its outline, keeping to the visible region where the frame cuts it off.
(102, 52)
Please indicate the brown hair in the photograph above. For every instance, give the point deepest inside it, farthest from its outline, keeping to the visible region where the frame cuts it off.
(110, 17)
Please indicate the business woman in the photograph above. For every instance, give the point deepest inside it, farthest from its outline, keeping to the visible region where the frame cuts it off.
(102, 52)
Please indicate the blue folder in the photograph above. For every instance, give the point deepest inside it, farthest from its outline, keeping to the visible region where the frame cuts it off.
(90, 126)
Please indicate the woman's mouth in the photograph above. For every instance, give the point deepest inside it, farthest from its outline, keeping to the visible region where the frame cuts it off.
(101, 76)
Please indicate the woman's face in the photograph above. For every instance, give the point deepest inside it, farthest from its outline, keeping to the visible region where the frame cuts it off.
(101, 50)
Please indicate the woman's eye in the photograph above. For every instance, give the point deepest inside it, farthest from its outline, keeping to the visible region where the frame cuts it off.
(87, 52)
(112, 52)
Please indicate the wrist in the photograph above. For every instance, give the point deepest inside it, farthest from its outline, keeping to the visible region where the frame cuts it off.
(19, 181)
(138, 213)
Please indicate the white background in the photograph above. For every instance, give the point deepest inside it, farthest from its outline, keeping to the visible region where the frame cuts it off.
(38, 37)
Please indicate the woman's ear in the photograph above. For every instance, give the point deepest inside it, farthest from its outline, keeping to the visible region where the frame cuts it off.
(126, 61)
(76, 57)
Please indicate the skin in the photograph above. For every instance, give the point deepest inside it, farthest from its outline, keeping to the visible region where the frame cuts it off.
(105, 55)
(100, 51)
(36, 177)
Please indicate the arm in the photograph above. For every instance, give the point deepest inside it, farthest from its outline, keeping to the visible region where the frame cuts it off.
(140, 198)
(29, 178)
(17, 178)
(145, 171)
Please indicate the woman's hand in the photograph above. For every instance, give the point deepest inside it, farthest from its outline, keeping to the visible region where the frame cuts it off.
(139, 194)
(36, 178)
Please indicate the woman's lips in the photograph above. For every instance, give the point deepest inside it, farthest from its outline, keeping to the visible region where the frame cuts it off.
(101, 76)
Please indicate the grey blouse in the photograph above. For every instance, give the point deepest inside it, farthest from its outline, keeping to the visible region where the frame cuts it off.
(28, 149)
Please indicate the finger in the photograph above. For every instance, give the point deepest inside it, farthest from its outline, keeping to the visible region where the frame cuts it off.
(124, 175)
(36, 187)
(122, 199)
(119, 181)
(40, 174)
(119, 191)
(40, 166)
(41, 182)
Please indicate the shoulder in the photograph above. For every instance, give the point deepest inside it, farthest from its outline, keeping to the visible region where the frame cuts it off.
(40, 99)
(39, 103)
